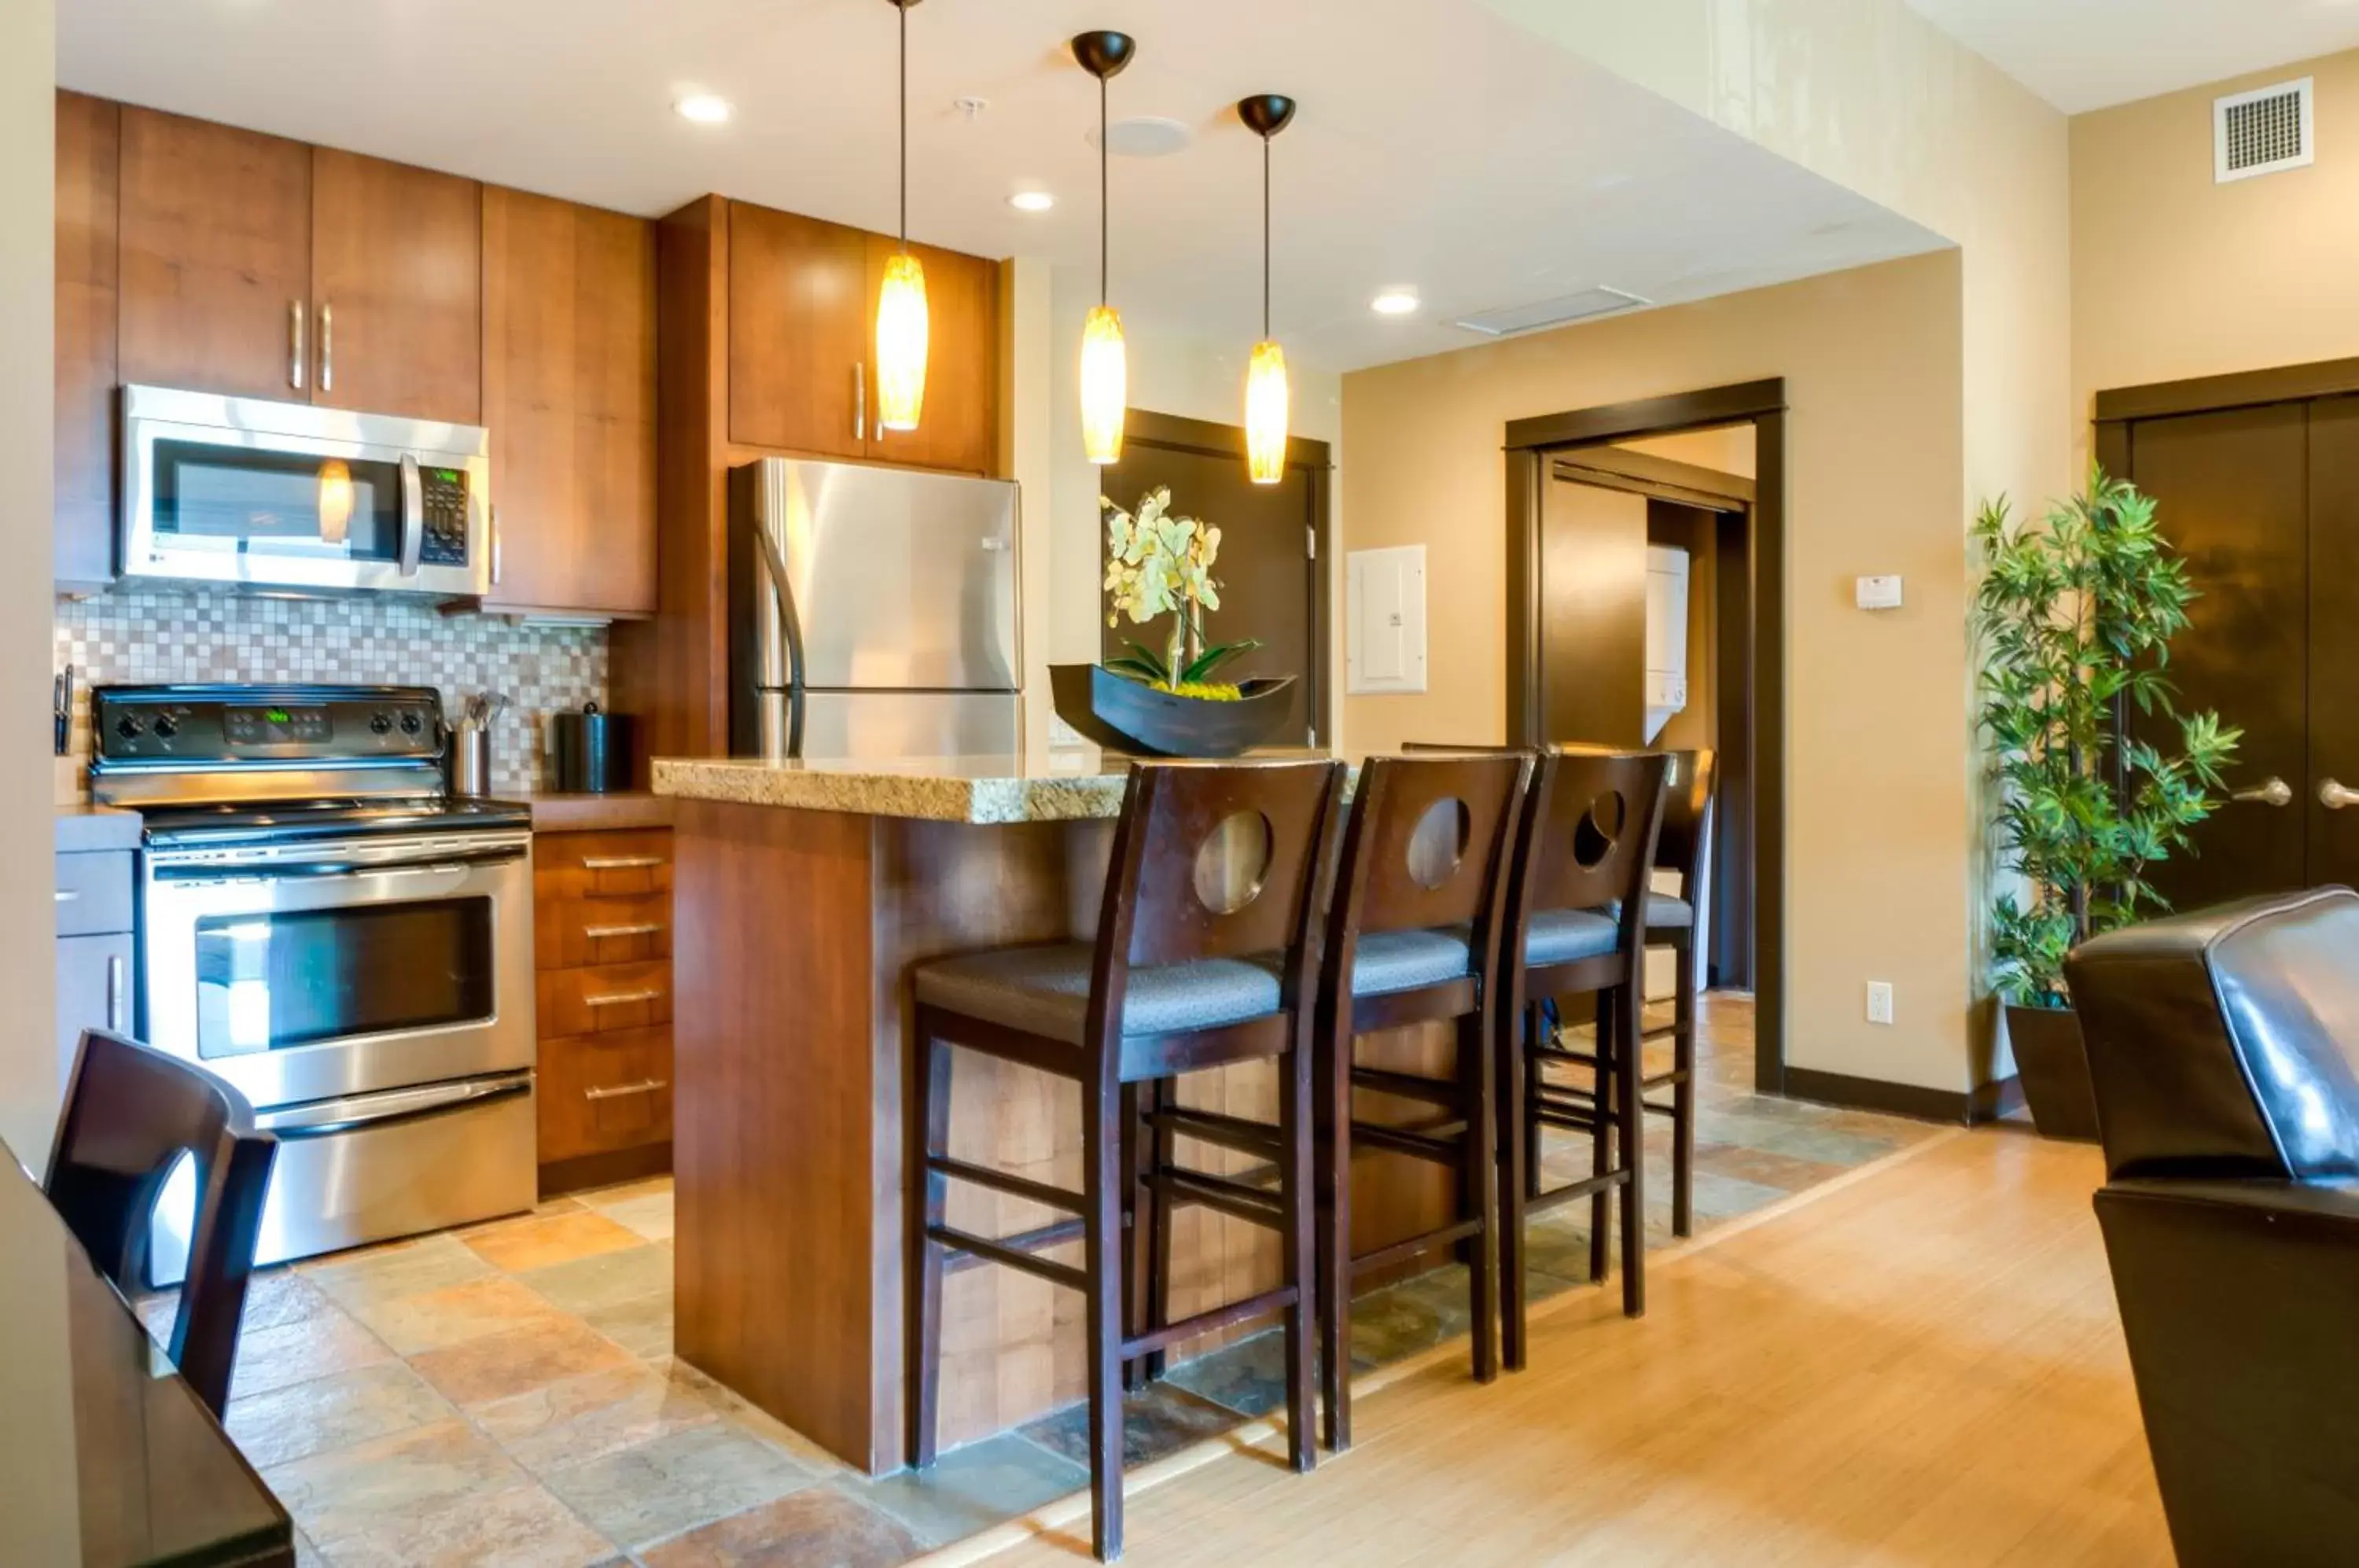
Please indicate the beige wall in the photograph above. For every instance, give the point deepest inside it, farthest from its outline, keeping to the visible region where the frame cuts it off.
(2174, 276)
(1879, 831)
(29, 1076)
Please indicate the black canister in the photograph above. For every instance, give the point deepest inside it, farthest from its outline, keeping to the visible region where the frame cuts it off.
(594, 750)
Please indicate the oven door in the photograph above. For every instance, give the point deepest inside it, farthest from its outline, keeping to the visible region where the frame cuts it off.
(286, 495)
(310, 972)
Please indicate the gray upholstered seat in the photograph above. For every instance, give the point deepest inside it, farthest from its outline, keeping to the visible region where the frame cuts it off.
(1391, 960)
(1045, 991)
(1561, 936)
(1665, 913)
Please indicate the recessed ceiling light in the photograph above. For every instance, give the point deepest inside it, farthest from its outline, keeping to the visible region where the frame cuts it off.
(704, 108)
(1031, 201)
(1394, 302)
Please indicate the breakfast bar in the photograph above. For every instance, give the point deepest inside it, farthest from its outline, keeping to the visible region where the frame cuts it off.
(805, 891)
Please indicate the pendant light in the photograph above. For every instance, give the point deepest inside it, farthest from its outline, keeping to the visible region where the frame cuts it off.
(1266, 397)
(901, 318)
(1105, 371)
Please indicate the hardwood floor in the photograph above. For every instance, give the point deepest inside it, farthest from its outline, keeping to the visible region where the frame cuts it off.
(1917, 1363)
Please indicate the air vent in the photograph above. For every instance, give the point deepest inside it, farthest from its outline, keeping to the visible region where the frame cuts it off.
(2262, 131)
(1553, 312)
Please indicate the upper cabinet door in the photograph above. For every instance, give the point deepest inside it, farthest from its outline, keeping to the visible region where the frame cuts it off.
(89, 160)
(569, 394)
(396, 268)
(216, 257)
(798, 312)
(958, 428)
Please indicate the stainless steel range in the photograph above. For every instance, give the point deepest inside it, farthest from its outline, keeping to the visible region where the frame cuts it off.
(324, 927)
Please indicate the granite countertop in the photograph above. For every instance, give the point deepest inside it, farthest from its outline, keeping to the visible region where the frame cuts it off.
(1073, 784)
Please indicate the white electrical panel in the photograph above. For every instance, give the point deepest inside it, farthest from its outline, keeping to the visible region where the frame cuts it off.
(1878, 592)
(1385, 620)
(1667, 636)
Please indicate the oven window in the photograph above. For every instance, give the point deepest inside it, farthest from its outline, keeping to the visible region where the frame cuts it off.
(269, 982)
(280, 503)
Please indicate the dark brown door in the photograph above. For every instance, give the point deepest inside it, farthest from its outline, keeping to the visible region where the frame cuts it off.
(959, 426)
(397, 280)
(216, 258)
(2334, 640)
(1268, 578)
(798, 333)
(2232, 493)
(569, 395)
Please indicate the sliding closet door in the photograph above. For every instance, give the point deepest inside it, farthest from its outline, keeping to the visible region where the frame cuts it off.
(2232, 495)
(2333, 638)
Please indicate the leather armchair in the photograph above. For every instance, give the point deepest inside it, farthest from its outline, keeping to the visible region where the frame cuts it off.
(2221, 1046)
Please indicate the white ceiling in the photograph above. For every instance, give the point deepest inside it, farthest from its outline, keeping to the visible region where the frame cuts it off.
(2088, 54)
(1437, 146)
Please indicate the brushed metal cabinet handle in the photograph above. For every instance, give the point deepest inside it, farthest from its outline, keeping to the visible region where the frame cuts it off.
(860, 401)
(295, 314)
(644, 1086)
(620, 862)
(117, 997)
(621, 998)
(327, 348)
(68, 895)
(599, 933)
(495, 547)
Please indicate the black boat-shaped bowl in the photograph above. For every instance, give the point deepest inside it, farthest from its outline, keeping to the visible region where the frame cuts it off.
(1131, 717)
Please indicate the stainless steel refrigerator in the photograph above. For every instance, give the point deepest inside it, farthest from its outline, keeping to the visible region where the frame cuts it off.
(873, 612)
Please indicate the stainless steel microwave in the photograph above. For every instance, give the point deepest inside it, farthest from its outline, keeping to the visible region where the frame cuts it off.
(249, 493)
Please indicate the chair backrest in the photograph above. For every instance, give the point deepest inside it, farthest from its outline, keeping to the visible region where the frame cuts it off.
(1589, 835)
(1217, 860)
(1685, 844)
(2219, 1041)
(130, 1114)
(1428, 842)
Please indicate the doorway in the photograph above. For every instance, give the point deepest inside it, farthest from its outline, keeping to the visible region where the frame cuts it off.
(1583, 509)
(1273, 537)
(2255, 482)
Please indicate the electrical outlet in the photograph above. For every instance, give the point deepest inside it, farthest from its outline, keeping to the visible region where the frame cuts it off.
(1880, 1001)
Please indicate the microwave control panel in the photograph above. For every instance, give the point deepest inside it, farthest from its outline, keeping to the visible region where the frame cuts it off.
(444, 493)
(264, 724)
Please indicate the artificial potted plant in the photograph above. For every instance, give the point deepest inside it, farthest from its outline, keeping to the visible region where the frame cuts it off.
(1166, 700)
(2076, 615)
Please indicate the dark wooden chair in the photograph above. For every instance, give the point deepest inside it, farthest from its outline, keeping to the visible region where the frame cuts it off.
(130, 1114)
(1679, 922)
(1578, 919)
(1204, 957)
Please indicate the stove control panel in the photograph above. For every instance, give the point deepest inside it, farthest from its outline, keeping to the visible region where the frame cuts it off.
(265, 724)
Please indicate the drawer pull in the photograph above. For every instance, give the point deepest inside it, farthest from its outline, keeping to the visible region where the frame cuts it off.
(644, 1086)
(599, 933)
(68, 895)
(621, 998)
(620, 862)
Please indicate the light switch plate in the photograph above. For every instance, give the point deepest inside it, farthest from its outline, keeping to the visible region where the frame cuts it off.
(1880, 1001)
(1879, 593)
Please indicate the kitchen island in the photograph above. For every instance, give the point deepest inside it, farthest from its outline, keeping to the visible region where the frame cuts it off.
(804, 892)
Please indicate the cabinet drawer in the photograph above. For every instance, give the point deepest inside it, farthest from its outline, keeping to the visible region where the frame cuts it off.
(602, 1093)
(604, 999)
(602, 865)
(570, 933)
(93, 893)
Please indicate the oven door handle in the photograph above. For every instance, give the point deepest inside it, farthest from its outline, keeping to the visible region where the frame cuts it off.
(293, 870)
(326, 1118)
(413, 514)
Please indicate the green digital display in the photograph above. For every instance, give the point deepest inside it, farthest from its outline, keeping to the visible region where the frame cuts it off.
(278, 715)
(447, 475)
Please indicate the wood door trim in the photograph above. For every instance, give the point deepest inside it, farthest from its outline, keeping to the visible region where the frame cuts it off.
(2238, 389)
(1657, 477)
(1651, 416)
(1531, 445)
(1315, 460)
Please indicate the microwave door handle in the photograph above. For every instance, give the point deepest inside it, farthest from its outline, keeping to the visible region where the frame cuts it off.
(413, 514)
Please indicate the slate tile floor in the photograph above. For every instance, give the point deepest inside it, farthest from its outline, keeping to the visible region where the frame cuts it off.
(506, 1395)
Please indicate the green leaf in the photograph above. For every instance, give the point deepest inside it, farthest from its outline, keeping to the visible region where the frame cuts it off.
(1212, 659)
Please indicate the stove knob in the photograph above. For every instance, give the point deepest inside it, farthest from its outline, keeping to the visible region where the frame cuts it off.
(164, 728)
(411, 724)
(130, 727)
(380, 723)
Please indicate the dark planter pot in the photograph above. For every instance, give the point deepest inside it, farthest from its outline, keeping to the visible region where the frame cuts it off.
(1126, 716)
(2054, 1070)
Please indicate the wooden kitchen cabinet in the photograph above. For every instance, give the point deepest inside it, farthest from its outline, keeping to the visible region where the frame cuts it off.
(396, 286)
(799, 348)
(603, 925)
(89, 152)
(959, 426)
(216, 257)
(569, 395)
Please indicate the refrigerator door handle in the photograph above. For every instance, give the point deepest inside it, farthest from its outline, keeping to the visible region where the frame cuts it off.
(774, 567)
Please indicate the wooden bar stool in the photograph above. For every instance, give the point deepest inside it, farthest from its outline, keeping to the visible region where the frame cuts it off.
(130, 1114)
(1578, 923)
(1680, 923)
(1204, 958)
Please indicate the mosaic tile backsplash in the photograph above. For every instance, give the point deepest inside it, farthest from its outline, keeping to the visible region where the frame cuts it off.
(153, 636)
